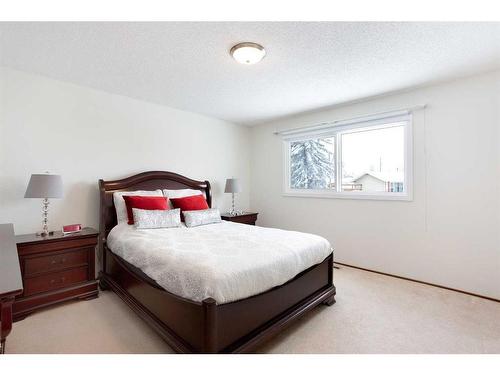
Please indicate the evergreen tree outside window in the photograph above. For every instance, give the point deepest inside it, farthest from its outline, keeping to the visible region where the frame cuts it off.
(312, 164)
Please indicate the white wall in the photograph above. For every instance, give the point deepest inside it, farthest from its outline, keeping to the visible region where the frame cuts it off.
(450, 233)
(84, 135)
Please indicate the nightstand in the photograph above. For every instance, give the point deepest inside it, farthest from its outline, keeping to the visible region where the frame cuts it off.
(55, 269)
(245, 218)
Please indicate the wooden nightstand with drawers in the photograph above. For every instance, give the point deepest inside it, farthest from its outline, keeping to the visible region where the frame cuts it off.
(244, 218)
(54, 269)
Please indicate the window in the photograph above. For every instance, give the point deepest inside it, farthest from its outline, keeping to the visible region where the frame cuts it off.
(370, 159)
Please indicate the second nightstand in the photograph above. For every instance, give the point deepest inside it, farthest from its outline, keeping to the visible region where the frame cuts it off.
(245, 218)
(55, 268)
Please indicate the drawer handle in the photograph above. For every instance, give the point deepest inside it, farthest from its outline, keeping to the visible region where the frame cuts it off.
(60, 262)
(61, 280)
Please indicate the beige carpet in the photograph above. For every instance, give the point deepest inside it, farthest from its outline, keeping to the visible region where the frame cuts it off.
(373, 314)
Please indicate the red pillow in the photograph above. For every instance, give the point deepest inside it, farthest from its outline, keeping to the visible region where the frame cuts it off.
(191, 203)
(144, 203)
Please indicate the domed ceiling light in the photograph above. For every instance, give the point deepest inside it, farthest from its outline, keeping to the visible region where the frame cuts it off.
(248, 53)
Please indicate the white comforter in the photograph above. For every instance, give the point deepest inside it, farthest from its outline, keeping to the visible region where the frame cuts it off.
(226, 261)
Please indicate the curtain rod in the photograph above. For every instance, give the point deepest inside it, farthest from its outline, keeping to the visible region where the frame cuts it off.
(353, 120)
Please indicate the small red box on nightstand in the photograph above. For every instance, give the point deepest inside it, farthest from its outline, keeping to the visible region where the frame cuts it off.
(71, 228)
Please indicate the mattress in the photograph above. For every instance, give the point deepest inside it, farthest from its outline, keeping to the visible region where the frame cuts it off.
(226, 261)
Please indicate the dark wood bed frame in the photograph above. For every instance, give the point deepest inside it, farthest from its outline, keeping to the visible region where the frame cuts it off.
(206, 327)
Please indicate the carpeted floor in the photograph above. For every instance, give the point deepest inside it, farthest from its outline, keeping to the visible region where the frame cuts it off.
(373, 314)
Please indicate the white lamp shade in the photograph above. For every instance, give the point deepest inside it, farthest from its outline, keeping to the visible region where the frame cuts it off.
(44, 186)
(232, 186)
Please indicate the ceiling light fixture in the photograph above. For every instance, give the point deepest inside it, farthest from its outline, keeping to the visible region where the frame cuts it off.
(248, 53)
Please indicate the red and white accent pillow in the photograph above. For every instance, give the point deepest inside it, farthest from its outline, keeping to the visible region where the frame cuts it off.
(180, 193)
(191, 203)
(144, 203)
(120, 207)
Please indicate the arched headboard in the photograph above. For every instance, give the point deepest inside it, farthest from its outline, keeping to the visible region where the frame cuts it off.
(142, 181)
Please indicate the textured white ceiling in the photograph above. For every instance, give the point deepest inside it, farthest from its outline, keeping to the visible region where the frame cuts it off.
(307, 66)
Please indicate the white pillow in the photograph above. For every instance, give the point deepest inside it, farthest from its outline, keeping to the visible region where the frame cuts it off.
(201, 217)
(121, 208)
(152, 219)
(180, 193)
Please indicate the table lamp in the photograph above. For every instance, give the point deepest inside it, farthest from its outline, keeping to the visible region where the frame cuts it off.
(44, 186)
(233, 186)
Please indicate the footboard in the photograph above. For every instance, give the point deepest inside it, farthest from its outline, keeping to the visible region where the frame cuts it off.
(236, 327)
(246, 323)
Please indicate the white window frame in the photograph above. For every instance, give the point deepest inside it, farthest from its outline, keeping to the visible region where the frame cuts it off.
(337, 131)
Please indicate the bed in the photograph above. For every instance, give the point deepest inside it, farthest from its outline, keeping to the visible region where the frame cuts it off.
(198, 323)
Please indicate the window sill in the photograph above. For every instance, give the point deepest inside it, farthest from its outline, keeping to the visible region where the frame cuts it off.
(348, 195)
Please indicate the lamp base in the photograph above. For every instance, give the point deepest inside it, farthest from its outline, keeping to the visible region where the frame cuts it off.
(45, 234)
(235, 213)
